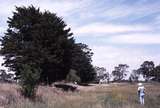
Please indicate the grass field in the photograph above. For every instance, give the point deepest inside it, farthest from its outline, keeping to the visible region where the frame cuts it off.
(95, 96)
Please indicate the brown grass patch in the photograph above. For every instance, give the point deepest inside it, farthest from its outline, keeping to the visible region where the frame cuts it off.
(96, 96)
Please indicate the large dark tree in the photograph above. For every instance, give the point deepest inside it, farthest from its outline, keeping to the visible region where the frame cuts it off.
(156, 73)
(81, 62)
(147, 69)
(42, 39)
(120, 72)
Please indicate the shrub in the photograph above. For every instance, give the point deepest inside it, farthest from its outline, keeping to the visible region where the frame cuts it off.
(72, 76)
(29, 80)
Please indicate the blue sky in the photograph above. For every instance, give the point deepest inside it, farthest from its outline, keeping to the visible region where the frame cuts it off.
(117, 31)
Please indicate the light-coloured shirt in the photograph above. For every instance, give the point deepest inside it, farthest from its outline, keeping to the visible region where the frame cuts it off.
(141, 90)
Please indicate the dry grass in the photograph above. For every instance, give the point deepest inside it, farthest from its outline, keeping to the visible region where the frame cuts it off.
(97, 96)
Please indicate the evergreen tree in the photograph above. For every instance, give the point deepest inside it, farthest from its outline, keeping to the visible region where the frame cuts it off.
(81, 62)
(73, 77)
(40, 38)
(43, 39)
(29, 80)
(156, 73)
(147, 69)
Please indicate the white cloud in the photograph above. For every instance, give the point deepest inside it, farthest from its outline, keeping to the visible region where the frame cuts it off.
(138, 38)
(138, 10)
(120, 34)
(61, 7)
(125, 11)
(110, 28)
(110, 56)
(89, 11)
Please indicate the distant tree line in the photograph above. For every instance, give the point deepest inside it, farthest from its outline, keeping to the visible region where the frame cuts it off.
(147, 70)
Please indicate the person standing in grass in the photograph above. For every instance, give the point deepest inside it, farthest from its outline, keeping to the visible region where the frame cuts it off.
(141, 93)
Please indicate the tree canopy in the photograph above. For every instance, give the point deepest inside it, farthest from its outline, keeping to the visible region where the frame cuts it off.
(120, 71)
(81, 62)
(157, 73)
(147, 69)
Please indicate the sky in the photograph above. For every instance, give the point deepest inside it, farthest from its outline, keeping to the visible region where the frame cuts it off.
(117, 31)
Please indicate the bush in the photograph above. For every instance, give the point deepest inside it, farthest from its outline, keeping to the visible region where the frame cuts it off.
(29, 80)
(72, 76)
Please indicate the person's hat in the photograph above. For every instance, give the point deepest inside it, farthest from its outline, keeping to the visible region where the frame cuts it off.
(140, 84)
